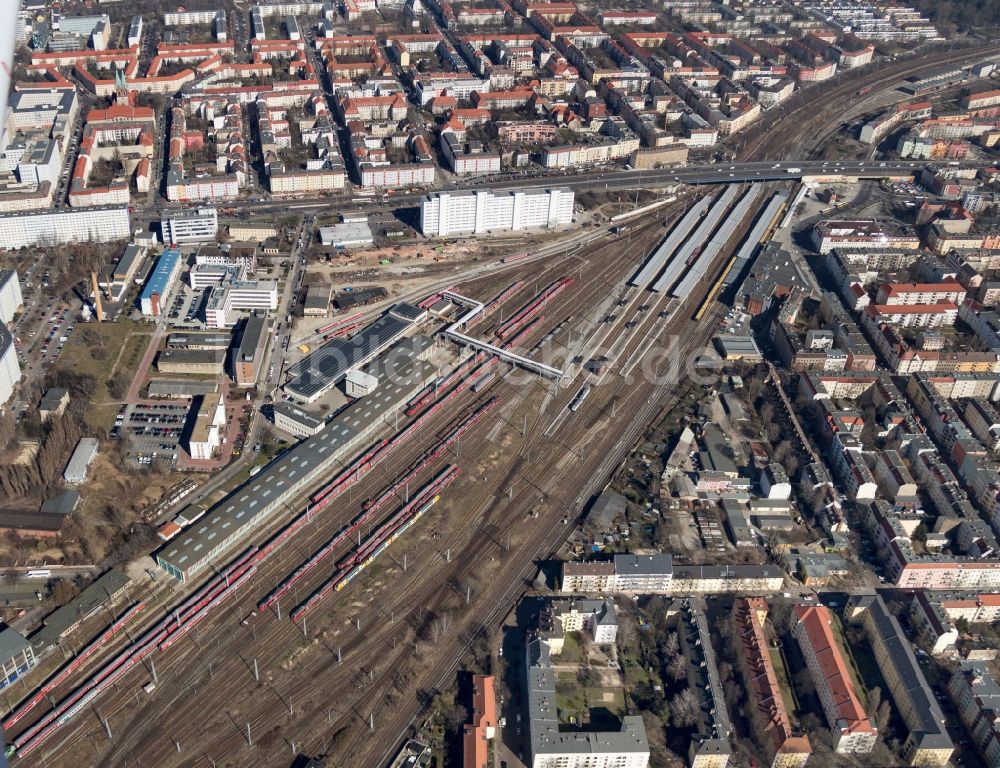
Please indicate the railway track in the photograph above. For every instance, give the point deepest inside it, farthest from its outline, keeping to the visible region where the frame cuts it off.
(815, 119)
(196, 661)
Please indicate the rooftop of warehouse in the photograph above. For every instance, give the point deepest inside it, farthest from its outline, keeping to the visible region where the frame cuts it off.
(298, 462)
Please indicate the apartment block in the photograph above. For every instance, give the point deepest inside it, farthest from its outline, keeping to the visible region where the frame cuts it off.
(710, 746)
(975, 609)
(930, 619)
(11, 299)
(789, 748)
(976, 693)
(553, 747)
(853, 730)
(928, 742)
(454, 213)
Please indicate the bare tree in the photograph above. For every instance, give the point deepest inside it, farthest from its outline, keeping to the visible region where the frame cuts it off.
(677, 668)
(439, 628)
(671, 645)
(684, 708)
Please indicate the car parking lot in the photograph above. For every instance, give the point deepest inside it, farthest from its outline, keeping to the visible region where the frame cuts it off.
(185, 309)
(152, 431)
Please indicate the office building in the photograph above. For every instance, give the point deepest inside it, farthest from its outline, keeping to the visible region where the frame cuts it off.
(10, 295)
(853, 730)
(160, 283)
(480, 211)
(248, 355)
(10, 368)
(228, 300)
(209, 424)
(295, 421)
(192, 226)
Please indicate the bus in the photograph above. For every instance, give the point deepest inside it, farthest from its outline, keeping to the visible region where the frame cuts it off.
(39, 573)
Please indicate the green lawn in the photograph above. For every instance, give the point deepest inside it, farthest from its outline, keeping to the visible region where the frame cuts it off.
(103, 350)
(571, 649)
(570, 703)
(853, 663)
(781, 672)
(576, 702)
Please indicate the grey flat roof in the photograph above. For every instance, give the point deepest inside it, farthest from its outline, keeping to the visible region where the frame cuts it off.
(32, 521)
(406, 311)
(543, 721)
(257, 497)
(177, 388)
(192, 356)
(645, 565)
(83, 454)
(254, 332)
(52, 398)
(63, 504)
(346, 233)
(321, 369)
(289, 411)
(318, 295)
(12, 643)
(128, 260)
(209, 339)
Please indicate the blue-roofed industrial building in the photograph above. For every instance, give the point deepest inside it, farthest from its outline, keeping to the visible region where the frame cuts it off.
(161, 281)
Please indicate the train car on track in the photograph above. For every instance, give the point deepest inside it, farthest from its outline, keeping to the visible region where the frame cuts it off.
(580, 396)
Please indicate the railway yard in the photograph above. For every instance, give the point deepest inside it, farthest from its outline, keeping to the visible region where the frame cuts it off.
(322, 630)
(329, 624)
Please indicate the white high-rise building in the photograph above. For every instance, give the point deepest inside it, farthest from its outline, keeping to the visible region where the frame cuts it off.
(479, 211)
(10, 369)
(10, 295)
(194, 226)
(98, 225)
